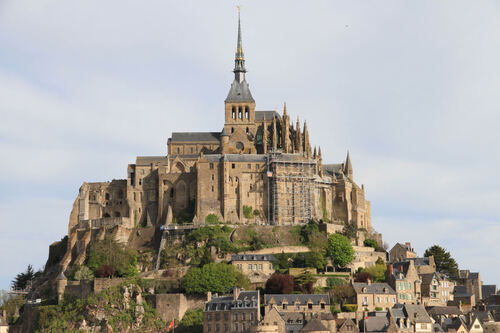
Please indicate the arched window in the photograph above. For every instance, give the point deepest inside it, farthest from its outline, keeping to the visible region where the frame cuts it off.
(247, 130)
(232, 130)
(240, 112)
(107, 196)
(247, 113)
(234, 112)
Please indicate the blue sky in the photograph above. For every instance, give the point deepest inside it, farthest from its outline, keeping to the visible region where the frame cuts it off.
(409, 87)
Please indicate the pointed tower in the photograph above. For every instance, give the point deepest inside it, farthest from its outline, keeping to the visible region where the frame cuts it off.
(348, 166)
(239, 104)
(315, 155)
(264, 135)
(285, 131)
(320, 162)
(298, 143)
(307, 145)
(275, 136)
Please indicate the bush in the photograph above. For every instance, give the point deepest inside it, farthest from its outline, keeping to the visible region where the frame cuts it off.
(248, 212)
(371, 243)
(105, 271)
(83, 273)
(110, 253)
(350, 308)
(280, 284)
(211, 219)
(378, 308)
(333, 281)
(192, 322)
(217, 278)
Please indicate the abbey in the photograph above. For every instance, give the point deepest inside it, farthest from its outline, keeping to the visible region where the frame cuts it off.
(259, 168)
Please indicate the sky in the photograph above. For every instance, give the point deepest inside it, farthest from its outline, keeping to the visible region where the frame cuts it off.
(410, 88)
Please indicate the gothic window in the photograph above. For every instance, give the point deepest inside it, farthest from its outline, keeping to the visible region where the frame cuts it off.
(234, 113)
(246, 112)
(232, 129)
(247, 130)
(211, 165)
(240, 112)
(172, 192)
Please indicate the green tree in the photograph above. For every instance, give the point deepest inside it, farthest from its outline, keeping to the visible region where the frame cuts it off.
(350, 230)
(342, 294)
(211, 219)
(83, 273)
(376, 272)
(217, 278)
(371, 243)
(315, 259)
(110, 253)
(305, 281)
(22, 280)
(444, 261)
(340, 250)
(192, 322)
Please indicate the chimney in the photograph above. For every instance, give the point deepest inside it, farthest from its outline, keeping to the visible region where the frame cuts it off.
(209, 296)
(369, 281)
(236, 293)
(390, 269)
(408, 246)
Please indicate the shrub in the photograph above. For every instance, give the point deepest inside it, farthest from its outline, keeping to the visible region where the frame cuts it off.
(340, 250)
(217, 278)
(371, 243)
(333, 281)
(105, 271)
(248, 212)
(350, 308)
(192, 322)
(110, 253)
(211, 219)
(378, 308)
(280, 284)
(83, 273)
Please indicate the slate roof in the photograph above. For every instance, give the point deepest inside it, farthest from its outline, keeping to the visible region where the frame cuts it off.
(259, 115)
(427, 278)
(235, 157)
(294, 321)
(332, 169)
(488, 289)
(444, 310)
(461, 291)
(483, 316)
(195, 136)
(252, 257)
(302, 298)
(417, 313)
(373, 288)
(376, 324)
(314, 325)
(246, 299)
(239, 92)
(419, 261)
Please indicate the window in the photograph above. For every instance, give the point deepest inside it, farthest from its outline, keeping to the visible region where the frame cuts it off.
(213, 177)
(255, 266)
(217, 327)
(247, 130)
(107, 196)
(243, 316)
(209, 317)
(249, 166)
(233, 166)
(233, 115)
(236, 327)
(212, 188)
(309, 306)
(246, 112)
(226, 317)
(249, 266)
(192, 150)
(135, 197)
(284, 306)
(178, 150)
(232, 129)
(240, 112)
(211, 166)
(243, 326)
(217, 316)
(225, 328)
(260, 267)
(322, 306)
(251, 316)
(140, 181)
(378, 299)
(236, 317)
(209, 327)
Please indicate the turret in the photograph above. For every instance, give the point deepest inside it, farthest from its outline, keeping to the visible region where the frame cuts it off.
(348, 166)
(298, 143)
(307, 145)
(285, 131)
(320, 162)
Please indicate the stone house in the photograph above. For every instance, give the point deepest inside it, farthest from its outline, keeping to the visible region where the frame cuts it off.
(377, 322)
(455, 324)
(474, 325)
(412, 318)
(346, 325)
(303, 303)
(472, 282)
(436, 289)
(257, 267)
(403, 277)
(371, 296)
(233, 313)
(400, 252)
(315, 325)
(424, 265)
(463, 299)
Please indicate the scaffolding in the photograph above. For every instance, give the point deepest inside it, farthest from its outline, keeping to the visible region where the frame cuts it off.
(290, 188)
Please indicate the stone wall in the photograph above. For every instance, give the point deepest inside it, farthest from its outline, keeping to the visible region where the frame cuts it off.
(104, 283)
(169, 306)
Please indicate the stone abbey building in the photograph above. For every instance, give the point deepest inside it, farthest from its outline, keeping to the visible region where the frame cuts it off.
(259, 168)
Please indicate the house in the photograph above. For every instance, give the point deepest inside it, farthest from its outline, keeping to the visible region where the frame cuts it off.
(378, 322)
(374, 296)
(487, 290)
(463, 299)
(439, 313)
(314, 325)
(304, 303)
(257, 267)
(474, 325)
(436, 289)
(472, 282)
(401, 252)
(233, 313)
(403, 277)
(455, 324)
(492, 327)
(412, 318)
(424, 265)
(346, 325)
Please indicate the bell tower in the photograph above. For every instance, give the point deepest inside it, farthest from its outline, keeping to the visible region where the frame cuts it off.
(239, 104)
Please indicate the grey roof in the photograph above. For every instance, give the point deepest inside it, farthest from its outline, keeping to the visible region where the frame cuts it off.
(302, 298)
(427, 278)
(483, 316)
(314, 325)
(444, 310)
(245, 300)
(239, 92)
(147, 160)
(252, 257)
(376, 324)
(420, 261)
(195, 136)
(244, 157)
(437, 328)
(488, 289)
(294, 321)
(373, 288)
(461, 291)
(269, 115)
(453, 323)
(417, 313)
(331, 169)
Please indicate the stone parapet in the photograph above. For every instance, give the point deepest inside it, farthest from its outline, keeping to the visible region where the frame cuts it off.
(105, 222)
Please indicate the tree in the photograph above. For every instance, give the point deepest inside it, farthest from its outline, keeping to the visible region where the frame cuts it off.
(108, 252)
(280, 284)
(342, 294)
(315, 259)
(333, 281)
(371, 243)
(217, 278)
(305, 281)
(444, 262)
(377, 272)
(340, 250)
(21, 281)
(363, 277)
(105, 271)
(192, 322)
(83, 273)
(350, 230)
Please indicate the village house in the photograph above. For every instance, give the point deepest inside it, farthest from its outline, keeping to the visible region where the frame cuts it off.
(400, 252)
(412, 318)
(257, 267)
(233, 313)
(374, 296)
(436, 289)
(424, 265)
(403, 277)
(305, 303)
(472, 282)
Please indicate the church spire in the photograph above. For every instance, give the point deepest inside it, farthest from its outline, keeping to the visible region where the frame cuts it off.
(239, 58)
(348, 166)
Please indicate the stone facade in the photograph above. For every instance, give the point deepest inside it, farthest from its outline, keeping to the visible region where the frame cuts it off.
(436, 289)
(400, 252)
(371, 296)
(303, 303)
(403, 277)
